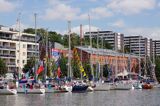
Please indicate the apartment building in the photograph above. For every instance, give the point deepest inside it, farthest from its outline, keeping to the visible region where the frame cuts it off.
(139, 45)
(16, 48)
(113, 38)
(156, 47)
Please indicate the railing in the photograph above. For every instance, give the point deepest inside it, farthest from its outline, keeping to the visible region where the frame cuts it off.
(7, 55)
(11, 63)
(7, 47)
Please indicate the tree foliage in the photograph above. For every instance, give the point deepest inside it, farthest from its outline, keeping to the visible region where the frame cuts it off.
(3, 68)
(157, 68)
(63, 65)
(29, 65)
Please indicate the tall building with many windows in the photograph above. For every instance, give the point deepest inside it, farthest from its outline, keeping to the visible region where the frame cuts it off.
(156, 47)
(16, 48)
(113, 38)
(138, 45)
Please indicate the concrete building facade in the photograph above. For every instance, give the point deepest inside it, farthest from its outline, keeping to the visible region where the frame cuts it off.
(156, 47)
(16, 48)
(113, 38)
(138, 45)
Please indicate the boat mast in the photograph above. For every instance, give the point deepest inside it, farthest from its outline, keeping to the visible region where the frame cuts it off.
(46, 65)
(98, 54)
(69, 50)
(19, 23)
(91, 65)
(139, 56)
(35, 17)
(116, 68)
(81, 44)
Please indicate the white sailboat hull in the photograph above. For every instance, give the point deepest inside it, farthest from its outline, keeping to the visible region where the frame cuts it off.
(122, 86)
(30, 91)
(8, 91)
(102, 87)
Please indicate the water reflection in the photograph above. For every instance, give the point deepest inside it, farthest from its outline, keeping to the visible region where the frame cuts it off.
(106, 98)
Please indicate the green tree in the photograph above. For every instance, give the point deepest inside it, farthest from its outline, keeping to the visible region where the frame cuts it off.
(54, 37)
(63, 65)
(29, 65)
(3, 68)
(75, 40)
(157, 68)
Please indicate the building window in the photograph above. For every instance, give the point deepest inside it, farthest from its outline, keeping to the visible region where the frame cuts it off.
(24, 46)
(17, 61)
(23, 61)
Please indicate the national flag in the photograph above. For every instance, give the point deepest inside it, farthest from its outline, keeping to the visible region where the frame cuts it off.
(40, 69)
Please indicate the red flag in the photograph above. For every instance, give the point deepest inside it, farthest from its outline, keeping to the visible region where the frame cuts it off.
(40, 69)
(59, 72)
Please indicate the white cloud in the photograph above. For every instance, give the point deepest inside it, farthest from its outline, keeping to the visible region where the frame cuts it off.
(6, 6)
(119, 24)
(153, 32)
(100, 12)
(131, 6)
(61, 12)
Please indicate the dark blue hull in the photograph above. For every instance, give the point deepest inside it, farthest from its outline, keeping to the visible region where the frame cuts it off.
(79, 88)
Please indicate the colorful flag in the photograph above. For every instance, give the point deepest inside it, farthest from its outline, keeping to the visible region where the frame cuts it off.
(40, 69)
(59, 72)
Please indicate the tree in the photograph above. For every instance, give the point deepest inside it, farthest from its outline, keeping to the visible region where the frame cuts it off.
(3, 68)
(157, 68)
(63, 65)
(28, 67)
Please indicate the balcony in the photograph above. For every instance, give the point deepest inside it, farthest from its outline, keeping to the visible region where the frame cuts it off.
(11, 64)
(8, 55)
(8, 47)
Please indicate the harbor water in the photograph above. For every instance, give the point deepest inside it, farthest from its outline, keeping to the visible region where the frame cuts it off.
(97, 98)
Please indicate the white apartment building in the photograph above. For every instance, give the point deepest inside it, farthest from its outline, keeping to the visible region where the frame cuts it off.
(113, 38)
(156, 47)
(16, 48)
(139, 45)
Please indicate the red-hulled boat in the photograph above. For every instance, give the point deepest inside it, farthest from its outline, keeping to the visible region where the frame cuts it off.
(147, 86)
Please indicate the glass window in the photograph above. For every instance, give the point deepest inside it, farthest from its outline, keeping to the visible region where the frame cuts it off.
(23, 61)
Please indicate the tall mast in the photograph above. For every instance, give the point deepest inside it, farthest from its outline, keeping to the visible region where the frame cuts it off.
(69, 50)
(116, 68)
(35, 27)
(139, 56)
(19, 23)
(81, 44)
(98, 54)
(46, 65)
(90, 47)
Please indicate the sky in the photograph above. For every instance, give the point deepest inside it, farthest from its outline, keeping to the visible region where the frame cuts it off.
(130, 17)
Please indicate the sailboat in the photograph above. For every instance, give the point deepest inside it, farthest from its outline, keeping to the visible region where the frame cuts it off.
(30, 86)
(123, 84)
(137, 84)
(7, 88)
